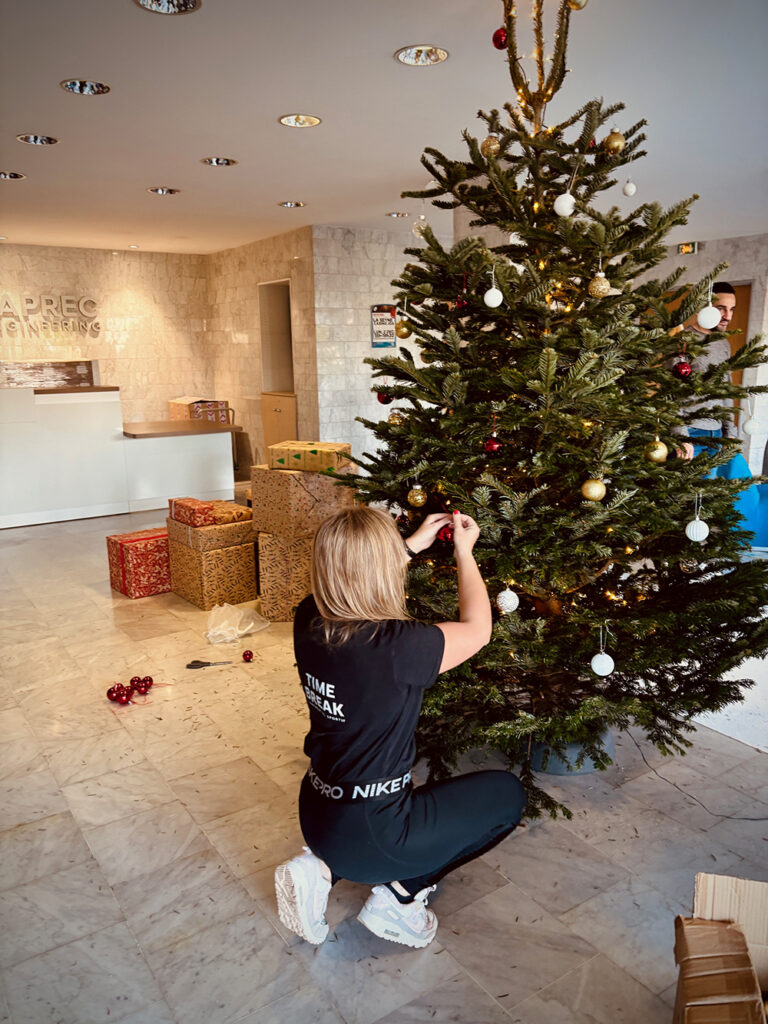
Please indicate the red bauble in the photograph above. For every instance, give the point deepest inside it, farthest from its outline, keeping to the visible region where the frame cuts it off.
(384, 397)
(247, 655)
(682, 369)
(500, 38)
(460, 303)
(135, 680)
(124, 697)
(113, 692)
(592, 144)
(492, 444)
(445, 533)
(148, 681)
(142, 689)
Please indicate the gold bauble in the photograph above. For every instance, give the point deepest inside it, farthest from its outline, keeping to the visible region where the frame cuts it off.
(577, 5)
(490, 146)
(593, 490)
(656, 451)
(396, 418)
(403, 329)
(417, 496)
(614, 142)
(599, 287)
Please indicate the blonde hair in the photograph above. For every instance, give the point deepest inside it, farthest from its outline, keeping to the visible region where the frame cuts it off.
(359, 568)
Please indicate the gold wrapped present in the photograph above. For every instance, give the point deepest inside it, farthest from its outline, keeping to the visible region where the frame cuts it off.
(230, 512)
(291, 503)
(208, 538)
(205, 578)
(309, 456)
(284, 578)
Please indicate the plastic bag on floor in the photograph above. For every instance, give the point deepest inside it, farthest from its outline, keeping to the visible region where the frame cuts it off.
(226, 623)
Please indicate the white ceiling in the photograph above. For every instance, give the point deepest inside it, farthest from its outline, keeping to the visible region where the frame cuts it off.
(214, 82)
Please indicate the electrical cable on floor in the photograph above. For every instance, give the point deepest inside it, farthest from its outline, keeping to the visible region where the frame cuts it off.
(729, 817)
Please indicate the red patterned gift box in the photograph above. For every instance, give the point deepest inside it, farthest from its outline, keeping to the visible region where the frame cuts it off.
(191, 511)
(138, 563)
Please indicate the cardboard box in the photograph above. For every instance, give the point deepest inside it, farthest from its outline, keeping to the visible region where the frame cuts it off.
(194, 512)
(284, 575)
(189, 407)
(208, 538)
(205, 578)
(138, 563)
(309, 456)
(290, 503)
(723, 953)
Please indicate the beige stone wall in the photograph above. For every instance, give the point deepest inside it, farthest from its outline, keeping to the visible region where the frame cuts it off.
(151, 310)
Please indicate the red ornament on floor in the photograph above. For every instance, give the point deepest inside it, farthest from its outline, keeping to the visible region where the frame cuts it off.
(445, 533)
(113, 692)
(142, 689)
(124, 697)
(500, 38)
(148, 681)
(135, 679)
(247, 655)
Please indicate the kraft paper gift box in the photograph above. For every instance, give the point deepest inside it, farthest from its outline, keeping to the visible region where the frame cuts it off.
(194, 512)
(291, 503)
(284, 578)
(208, 538)
(309, 456)
(138, 563)
(189, 407)
(221, 576)
(230, 512)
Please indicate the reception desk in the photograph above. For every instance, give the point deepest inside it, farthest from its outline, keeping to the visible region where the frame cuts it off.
(66, 454)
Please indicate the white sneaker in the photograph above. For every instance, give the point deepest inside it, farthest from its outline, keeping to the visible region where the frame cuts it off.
(409, 923)
(302, 896)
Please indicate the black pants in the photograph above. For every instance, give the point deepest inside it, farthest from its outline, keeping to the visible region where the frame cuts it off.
(417, 837)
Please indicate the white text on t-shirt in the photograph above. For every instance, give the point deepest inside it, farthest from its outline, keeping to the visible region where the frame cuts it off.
(323, 697)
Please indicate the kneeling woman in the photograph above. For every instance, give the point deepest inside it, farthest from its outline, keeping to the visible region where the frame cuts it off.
(364, 665)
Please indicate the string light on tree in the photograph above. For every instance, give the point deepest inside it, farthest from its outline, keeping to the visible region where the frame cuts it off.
(697, 530)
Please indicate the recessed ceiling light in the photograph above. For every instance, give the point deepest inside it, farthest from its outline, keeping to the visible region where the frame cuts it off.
(421, 55)
(82, 87)
(396, 213)
(291, 204)
(11, 175)
(218, 161)
(170, 6)
(164, 190)
(133, 247)
(299, 120)
(38, 140)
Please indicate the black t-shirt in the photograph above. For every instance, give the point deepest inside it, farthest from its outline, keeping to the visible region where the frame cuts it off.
(365, 695)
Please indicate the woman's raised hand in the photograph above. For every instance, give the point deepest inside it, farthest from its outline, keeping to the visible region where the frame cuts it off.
(465, 533)
(425, 535)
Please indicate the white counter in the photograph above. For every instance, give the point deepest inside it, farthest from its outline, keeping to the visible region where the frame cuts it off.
(63, 455)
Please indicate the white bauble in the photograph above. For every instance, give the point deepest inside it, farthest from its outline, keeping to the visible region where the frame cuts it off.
(564, 205)
(697, 530)
(507, 601)
(629, 188)
(493, 298)
(708, 317)
(749, 427)
(602, 664)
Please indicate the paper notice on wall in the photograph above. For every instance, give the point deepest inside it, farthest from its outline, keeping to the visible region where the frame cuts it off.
(383, 326)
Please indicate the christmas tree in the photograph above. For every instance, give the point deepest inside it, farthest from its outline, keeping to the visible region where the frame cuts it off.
(545, 403)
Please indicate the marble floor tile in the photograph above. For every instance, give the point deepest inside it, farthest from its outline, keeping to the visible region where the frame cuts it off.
(465, 885)
(40, 848)
(117, 794)
(144, 842)
(750, 777)
(554, 867)
(14, 725)
(511, 945)
(307, 1005)
(182, 755)
(75, 760)
(261, 835)
(356, 970)
(55, 720)
(181, 898)
(102, 977)
(224, 789)
(20, 757)
(459, 998)
(227, 971)
(53, 910)
(597, 992)
(26, 798)
(633, 924)
(749, 838)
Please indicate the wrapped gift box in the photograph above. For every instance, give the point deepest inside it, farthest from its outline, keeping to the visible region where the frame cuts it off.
(191, 408)
(309, 456)
(284, 576)
(138, 563)
(291, 503)
(208, 538)
(221, 576)
(193, 512)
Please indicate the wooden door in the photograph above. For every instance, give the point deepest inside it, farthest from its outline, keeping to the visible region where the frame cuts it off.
(278, 413)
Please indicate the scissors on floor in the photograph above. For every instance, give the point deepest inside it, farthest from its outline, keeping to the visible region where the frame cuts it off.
(206, 664)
